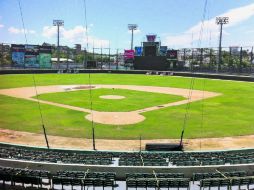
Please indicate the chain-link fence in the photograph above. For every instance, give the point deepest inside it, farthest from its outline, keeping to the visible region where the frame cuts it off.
(233, 60)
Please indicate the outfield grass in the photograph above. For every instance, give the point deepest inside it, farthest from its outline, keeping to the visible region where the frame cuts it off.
(133, 100)
(230, 114)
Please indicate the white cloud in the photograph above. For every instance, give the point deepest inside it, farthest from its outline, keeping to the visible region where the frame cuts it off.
(14, 30)
(1, 25)
(210, 29)
(75, 35)
(49, 31)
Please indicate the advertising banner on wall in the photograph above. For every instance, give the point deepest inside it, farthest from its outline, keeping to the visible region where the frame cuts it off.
(163, 50)
(172, 55)
(44, 57)
(18, 55)
(129, 54)
(138, 51)
(44, 60)
(31, 53)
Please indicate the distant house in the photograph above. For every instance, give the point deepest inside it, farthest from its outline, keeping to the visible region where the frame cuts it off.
(46, 44)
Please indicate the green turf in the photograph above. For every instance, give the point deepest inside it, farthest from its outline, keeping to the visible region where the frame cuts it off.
(230, 114)
(133, 100)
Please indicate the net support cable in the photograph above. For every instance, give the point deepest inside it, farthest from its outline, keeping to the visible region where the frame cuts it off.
(35, 87)
(89, 76)
(204, 80)
(192, 82)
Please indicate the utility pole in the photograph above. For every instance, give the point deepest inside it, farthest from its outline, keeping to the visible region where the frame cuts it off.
(58, 23)
(220, 21)
(132, 27)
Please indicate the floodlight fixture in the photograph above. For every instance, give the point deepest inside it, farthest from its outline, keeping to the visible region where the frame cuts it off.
(58, 23)
(220, 21)
(132, 27)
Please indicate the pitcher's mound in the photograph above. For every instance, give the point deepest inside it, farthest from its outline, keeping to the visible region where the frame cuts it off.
(115, 118)
(114, 97)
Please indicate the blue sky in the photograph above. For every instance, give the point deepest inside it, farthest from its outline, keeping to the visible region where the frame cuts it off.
(177, 23)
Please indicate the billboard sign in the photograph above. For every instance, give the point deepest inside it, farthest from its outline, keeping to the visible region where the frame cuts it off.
(18, 55)
(44, 60)
(151, 37)
(138, 51)
(128, 54)
(31, 53)
(172, 54)
(163, 50)
(44, 57)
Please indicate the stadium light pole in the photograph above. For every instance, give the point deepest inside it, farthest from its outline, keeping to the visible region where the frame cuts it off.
(132, 27)
(220, 21)
(58, 23)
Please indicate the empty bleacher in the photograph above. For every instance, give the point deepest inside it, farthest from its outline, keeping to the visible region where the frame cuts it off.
(165, 159)
(17, 178)
(40, 168)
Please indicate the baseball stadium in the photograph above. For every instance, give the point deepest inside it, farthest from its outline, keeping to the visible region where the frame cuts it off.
(153, 116)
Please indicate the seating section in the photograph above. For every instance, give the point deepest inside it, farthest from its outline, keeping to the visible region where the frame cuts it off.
(157, 180)
(200, 176)
(44, 155)
(158, 183)
(24, 177)
(84, 179)
(137, 159)
(37, 179)
(165, 159)
(185, 158)
(227, 182)
(16, 178)
(157, 175)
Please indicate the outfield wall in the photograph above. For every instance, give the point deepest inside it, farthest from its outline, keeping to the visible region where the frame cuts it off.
(239, 77)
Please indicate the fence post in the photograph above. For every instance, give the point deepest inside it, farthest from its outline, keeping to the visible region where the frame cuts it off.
(241, 59)
(201, 59)
(251, 55)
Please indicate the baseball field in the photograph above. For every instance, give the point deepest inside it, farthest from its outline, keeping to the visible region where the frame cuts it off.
(125, 106)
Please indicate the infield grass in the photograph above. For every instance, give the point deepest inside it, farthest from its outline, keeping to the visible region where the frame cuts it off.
(133, 100)
(230, 114)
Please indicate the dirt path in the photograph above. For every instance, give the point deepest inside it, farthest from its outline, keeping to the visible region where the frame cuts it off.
(32, 139)
(111, 118)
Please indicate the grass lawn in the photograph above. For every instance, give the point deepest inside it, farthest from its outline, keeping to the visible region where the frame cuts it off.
(133, 100)
(230, 114)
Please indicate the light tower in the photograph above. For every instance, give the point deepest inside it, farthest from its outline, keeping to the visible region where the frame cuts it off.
(58, 23)
(132, 27)
(220, 21)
